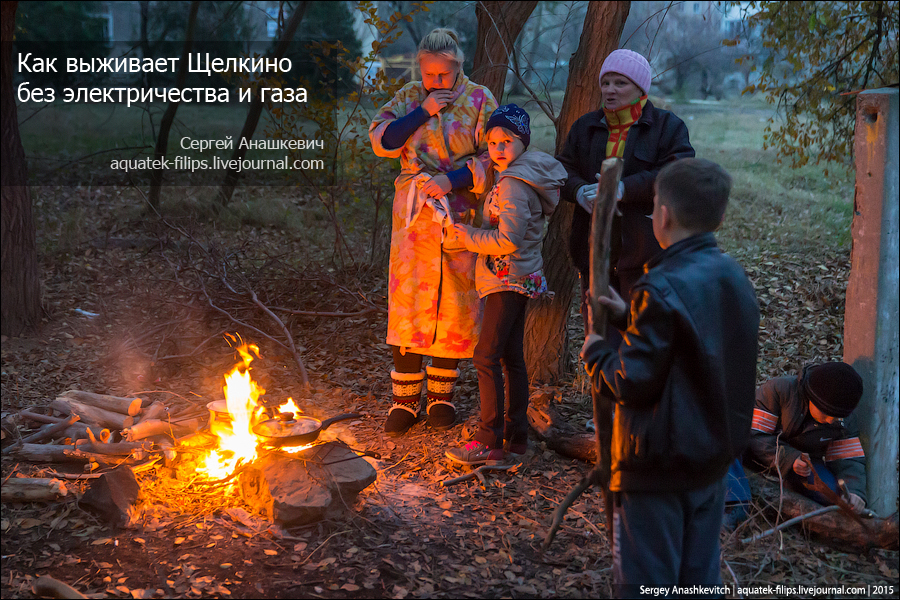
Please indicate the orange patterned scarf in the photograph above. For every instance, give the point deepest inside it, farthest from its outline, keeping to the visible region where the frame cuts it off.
(620, 121)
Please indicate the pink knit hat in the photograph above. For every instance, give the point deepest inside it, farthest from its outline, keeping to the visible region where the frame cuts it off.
(630, 64)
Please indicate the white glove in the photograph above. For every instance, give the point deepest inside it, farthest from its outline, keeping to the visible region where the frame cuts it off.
(620, 193)
(585, 197)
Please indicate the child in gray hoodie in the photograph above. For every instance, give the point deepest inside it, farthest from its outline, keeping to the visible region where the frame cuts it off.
(508, 272)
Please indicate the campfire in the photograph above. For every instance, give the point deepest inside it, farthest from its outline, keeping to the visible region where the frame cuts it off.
(272, 455)
(237, 443)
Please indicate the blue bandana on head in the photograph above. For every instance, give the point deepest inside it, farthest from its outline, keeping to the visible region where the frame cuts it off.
(513, 118)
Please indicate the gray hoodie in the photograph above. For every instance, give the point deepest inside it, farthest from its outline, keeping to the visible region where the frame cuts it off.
(515, 210)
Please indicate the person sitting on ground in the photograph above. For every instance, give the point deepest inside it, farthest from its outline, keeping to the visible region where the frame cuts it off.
(799, 419)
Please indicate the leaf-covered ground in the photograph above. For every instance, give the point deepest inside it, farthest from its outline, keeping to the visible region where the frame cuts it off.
(406, 535)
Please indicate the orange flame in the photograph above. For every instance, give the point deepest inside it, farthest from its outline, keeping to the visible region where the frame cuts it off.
(239, 442)
(290, 406)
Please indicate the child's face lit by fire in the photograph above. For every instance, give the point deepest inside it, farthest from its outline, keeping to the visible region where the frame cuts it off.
(503, 147)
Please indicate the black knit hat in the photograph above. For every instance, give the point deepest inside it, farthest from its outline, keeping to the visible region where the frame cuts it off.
(834, 388)
(513, 119)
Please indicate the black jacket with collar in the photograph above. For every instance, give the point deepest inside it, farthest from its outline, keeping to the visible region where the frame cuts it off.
(684, 377)
(657, 138)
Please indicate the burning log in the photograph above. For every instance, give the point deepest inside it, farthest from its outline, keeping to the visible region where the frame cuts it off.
(124, 406)
(27, 489)
(92, 415)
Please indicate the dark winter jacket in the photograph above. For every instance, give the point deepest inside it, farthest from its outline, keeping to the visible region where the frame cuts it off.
(656, 139)
(684, 376)
(783, 429)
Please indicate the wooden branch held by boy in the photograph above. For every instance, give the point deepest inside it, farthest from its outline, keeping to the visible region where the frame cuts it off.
(601, 226)
(836, 499)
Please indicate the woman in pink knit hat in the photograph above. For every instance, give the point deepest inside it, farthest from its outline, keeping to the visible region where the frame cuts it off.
(627, 126)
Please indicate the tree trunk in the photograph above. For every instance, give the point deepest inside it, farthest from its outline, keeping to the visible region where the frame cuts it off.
(162, 140)
(499, 25)
(20, 307)
(231, 175)
(545, 325)
(537, 32)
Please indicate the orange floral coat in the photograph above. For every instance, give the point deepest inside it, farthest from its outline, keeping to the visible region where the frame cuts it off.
(433, 308)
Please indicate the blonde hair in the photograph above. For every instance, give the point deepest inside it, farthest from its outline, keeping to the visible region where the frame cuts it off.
(444, 42)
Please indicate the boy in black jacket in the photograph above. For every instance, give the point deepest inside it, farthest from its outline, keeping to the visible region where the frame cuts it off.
(683, 381)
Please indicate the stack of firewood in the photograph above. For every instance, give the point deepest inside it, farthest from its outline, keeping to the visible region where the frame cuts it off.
(96, 430)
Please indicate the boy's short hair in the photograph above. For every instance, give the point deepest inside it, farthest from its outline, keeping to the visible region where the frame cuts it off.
(696, 191)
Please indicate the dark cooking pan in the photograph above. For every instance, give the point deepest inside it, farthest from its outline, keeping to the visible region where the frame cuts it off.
(295, 431)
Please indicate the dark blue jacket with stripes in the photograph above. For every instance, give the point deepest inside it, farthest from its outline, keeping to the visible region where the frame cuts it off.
(783, 429)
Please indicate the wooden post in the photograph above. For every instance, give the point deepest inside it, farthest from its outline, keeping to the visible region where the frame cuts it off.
(871, 312)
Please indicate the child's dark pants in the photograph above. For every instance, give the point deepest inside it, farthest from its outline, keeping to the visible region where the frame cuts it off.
(501, 350)
(663, 539)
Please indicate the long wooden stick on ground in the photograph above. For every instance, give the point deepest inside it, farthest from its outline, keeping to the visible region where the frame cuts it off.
(479, 471)
(790, 522)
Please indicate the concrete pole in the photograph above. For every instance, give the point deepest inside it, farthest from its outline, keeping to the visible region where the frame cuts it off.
(871, 341)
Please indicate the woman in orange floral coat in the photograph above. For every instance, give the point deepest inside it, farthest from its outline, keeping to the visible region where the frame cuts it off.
(436, 128)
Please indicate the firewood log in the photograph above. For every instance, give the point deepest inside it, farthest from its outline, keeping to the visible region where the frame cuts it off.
(27, 489)
(559, 435)
(59, 453)
(38, 417)
(112, 449)
(47, 586)
(92, 415)
(154, 411)
(835, 528)
(48, 431)
(145, 429)
(126, 406)
(78, 431)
